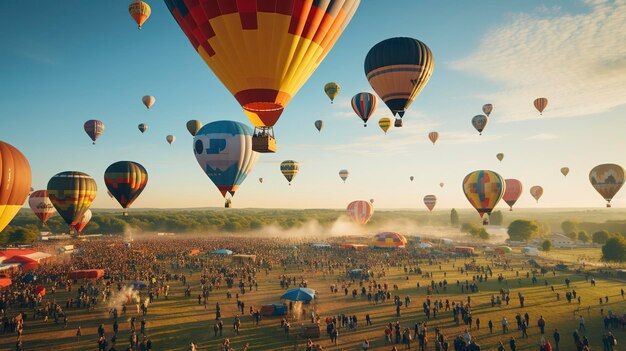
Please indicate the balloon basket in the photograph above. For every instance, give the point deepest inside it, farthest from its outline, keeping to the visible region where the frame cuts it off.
(397, 123)
(263, 140)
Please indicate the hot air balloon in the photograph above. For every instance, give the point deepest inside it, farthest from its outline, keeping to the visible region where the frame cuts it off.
(139, 11)
(148, 100)
(513, 191)
(41, 205)
(82, 223)
(193, 126)
(540, 104)
(360, 211)
(480, 122)
(484, 189)
(536, 191)
(364, 105)
(332, 89)
(487, 109)
(223, 150)
(142, 127)
(565, 171)
(263, 51)
(433, 136)
(170, 139)
(261, 180)
(384, 124)
(411, 178)
(72, 193)
(371, 201)
(441, 185)
(500, 156)
(289, 169)
(94, 129)
(319, 124)
(607, 179)
(343, 174)
(125, 181)
(15, 178)
(430, 201)
(398, 69)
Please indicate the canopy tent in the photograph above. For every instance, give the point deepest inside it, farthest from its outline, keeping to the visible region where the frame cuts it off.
(321, 245)
(8, 253)
(87, 274)
(464, 250)
(389, 240)
(194, 252)
(424, 245)
(4, 282)
(299, 294)
(222, 252)
(353, 246)
(274, 310)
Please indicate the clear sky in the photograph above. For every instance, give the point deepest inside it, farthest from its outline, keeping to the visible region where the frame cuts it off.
(64, 62)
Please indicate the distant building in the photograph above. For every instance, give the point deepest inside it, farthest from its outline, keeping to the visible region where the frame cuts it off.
(560, 240)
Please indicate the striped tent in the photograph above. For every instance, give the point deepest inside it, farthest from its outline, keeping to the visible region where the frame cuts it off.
(389, 240)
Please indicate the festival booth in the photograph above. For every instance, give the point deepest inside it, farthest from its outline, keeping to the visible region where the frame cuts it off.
(389, 240)
(464, 250)
(273, 310)
(87, 274)
(243, 259)
(320, 245)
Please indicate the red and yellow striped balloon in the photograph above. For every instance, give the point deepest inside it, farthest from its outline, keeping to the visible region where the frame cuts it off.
(360, 211)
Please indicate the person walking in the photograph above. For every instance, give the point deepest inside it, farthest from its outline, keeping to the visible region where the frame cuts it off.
(557, 338)
(541, 323)
(513, 344)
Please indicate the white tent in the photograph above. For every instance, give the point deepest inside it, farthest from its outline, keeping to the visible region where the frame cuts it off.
(530, 251)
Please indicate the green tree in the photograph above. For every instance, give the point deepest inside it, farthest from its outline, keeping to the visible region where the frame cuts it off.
(523, 230)
(482, 233)
(546, 245)
(583, 236)
(470, 229)
(600, 237)
(572, 235)
(454, 218)
(496, 218)
(23, 235)
(569, 226)
(614, 249)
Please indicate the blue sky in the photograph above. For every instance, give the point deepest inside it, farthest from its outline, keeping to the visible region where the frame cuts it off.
(66, 62)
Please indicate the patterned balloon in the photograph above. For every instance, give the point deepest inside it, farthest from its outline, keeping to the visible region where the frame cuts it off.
(500, 156)
(148, 101)
(332, 90)
(223, 150)
(142, 127)
(487, 109)
(319, 124)
(389, 240)
(139, 11)
(364, 105)
(94, 129)
(41, 205)
(607, 179)
(289, 169)
(263, 51)
(540, 104)
(193, 126)
(480, 122)
(536, 191)
(360, 211)
(343, 174)
(384, 124)
(125, 181)
(565, 171)
(82, 223)
(484, 189)
(72, 193)
(513, 191)
(398, 69)
(15, 178)
(433, 136)
(430, 201)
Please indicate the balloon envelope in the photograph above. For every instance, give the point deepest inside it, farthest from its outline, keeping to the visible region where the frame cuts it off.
(398, 69)
(384, 124)
(319, 124)
(565, 171)
(411, 178)
(82, 223)
(540, 104)
(536, 191)
(72, 193)
(343, 174)
(41, 205)
(170, 139)
(433, 136)
(480, 122)
(513, 191)
(364, 105)
(193, 126)
(484, 189)
(148, 101)
(139, 11)
(607, 179)
(360, 211)
(125, 181)
(430, 201)
(142, 127)
(487, 109)
(500, 156)
(94, 129)
(332, 89)
(289, 169)
(15, 178)
(223, 150)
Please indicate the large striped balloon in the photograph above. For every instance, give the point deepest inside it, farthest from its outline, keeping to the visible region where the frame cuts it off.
(263, 51)
(512, 192)
(94, 128)
(484, 189)
(360, 211)
(72, 193)
(15, 178)
(430, 201)
(41, 205)
(364, 105)
(398, 69)
(223, 150)
(125, 181)
(607, 179)
(289, 169)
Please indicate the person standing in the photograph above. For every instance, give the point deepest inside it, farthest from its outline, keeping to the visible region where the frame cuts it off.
(505, 325)
(512, 344)
(557, 338)
(581, 323)
(79, 333)
(541, 323)
(490, 324)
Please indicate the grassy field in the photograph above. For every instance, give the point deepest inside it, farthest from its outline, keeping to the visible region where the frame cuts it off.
(172, 324)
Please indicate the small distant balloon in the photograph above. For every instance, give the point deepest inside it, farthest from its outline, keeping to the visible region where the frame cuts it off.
(371, 201)
(332, 90)
(148, 101)
(384, 124)
(170, 139)
(433, 136)
(193, 126)
(411, 178)
(261, 180)
(441, 185)
(540, 104)
(139, 11)
(94, 128)
(487, 109)
(500, 156)
(536, 191)
(289, 169)
(430, 201)
(142, 127)
(565, 171)
(319, 124)
(480, 122)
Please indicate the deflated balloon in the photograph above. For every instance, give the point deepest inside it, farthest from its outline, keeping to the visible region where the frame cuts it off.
(430, 201)
(513, 191)
(487, 108)
(433, 136)
(94, 129)
(480, 122)
(125, 181)
(360, 211)
(193, 126)
(289, 169)
(607, 179)
(72, 193)
(536, 191)
(15, 178)
(139, 11)
(364, 105)
(319, 124)
(540, 104)
(41, 205)
(384, 124)
(332, 90)
(484, 189)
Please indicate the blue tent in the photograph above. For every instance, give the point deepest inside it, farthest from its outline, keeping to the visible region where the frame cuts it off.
(222, 252)
(299, 294)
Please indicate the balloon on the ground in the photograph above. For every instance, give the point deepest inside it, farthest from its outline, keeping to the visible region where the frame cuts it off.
(139, 11)
(487, 109)
(170, 139)
(540, 104)
(433, 136)
(332, 90)
(193, 126)
(384, 124)
(565, 171)
(94, 128)
(148, 101)
(430, 201)
(360, 211)
(289, 169)
(607, 179)
(125, 180)
(15, 178)
(364, 105)
(536, 192)
(389, 240)
(398, 69)
(484, 189)
(319, 124)
(513, 191)
(343, 174)
(500, 156)
(72, 193)
(82, 222)
(480, 122)
(142, 127)
(41, 205)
